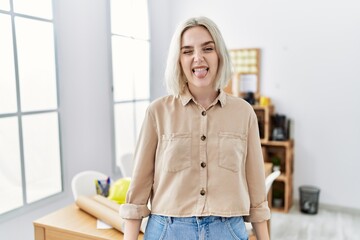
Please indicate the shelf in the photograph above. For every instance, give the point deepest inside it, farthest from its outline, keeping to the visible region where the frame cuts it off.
(280, 210)
(263, 114)
(282, 178)
(259, 107)
(288, 143)
(283, 151)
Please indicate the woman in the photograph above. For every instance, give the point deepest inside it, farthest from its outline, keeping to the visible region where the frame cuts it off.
(198, 158)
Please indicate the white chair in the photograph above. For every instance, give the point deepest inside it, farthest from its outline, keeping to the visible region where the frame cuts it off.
(268, 183)
(270, 179)
(83, 183)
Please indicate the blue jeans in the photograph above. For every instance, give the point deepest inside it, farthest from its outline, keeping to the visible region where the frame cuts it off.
(195, 228)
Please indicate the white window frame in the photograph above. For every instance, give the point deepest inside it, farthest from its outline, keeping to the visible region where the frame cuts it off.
(132, 101)
(26, 207)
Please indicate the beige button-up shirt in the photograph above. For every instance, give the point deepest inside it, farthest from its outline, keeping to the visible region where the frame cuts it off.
(191, 161)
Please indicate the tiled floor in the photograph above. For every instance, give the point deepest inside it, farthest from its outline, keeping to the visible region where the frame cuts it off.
(327, 224)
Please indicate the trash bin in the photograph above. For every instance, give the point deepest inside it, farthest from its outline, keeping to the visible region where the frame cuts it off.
(309, 199)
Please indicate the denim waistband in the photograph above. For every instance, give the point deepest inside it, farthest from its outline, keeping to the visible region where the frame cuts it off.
(191, 220)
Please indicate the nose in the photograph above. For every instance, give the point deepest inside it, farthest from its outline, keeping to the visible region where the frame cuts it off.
(198, 56)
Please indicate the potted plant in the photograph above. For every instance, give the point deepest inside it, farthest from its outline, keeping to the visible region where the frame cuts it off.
(276, 161)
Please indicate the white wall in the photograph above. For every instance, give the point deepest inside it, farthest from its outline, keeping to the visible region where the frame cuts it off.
(310, 69)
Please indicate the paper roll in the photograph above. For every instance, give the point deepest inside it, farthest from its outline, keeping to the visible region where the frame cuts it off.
(115, 207)
(102, 211)
(107, 202)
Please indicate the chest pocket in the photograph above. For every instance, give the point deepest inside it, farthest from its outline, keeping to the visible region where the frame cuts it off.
(232, 150)
(176, 151)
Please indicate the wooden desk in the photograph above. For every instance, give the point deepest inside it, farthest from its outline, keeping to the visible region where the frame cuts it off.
(71, 223)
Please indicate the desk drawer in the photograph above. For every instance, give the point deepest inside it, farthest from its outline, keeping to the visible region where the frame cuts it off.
(58, 235)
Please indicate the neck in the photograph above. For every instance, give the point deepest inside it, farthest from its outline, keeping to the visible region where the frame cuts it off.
(204, 96)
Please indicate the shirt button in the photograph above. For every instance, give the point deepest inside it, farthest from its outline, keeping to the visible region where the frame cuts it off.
(203, 113)
(202, 192)
(203, 164)
(203, 137)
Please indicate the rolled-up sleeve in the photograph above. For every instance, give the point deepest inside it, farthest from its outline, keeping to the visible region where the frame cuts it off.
(255, 175)
(143, 175)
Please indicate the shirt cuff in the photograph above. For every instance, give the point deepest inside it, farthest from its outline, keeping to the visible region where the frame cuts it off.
(132, 211)
(259, 213)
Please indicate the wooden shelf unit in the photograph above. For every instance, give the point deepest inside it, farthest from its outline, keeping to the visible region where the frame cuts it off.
(284, 150)
(264, 114)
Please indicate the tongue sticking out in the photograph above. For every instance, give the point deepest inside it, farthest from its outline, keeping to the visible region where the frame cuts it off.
(200, 73)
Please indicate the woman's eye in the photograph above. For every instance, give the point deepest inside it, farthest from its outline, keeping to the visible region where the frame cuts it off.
(208, 49)
(187, 52)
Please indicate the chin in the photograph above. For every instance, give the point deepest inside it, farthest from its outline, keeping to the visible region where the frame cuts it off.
(200, 85)
(202, 82)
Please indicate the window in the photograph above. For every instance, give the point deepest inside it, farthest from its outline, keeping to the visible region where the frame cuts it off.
(30, 164)
(130, 64)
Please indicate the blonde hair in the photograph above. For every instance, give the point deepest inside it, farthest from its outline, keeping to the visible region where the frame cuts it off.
(174, 76)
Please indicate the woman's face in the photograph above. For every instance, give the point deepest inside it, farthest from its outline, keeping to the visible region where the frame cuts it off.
(198, 58)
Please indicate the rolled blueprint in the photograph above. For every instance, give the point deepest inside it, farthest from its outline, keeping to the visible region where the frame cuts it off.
(107, 202)
(101, 210)
(115, 206)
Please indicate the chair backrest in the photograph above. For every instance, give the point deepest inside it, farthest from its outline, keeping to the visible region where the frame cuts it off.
(83, 183)
(270, 179)
(126, 165)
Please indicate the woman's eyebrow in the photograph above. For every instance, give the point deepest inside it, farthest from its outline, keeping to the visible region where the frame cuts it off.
(207, 43)
(186, 47)
(203, 44)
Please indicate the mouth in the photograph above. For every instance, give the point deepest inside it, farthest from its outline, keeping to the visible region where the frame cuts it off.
(200, 72)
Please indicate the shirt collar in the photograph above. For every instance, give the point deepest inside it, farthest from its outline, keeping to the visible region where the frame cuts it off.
(186, 96)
